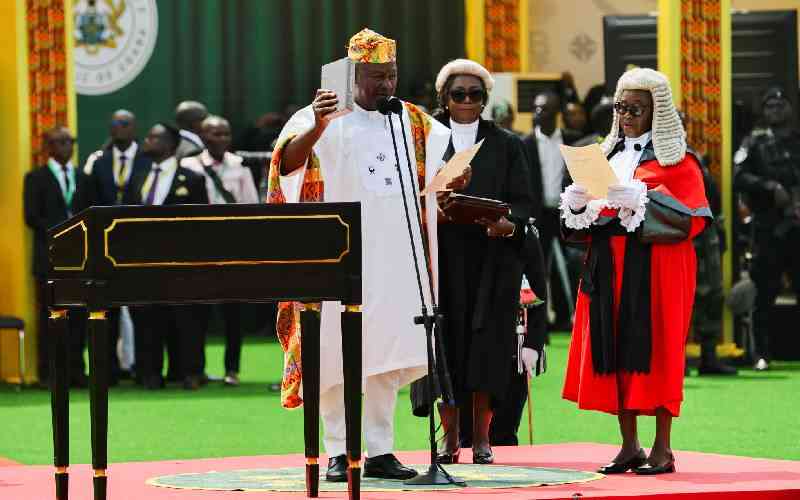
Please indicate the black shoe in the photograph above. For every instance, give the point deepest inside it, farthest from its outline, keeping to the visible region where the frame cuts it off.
(192, 382)
(153, 382)
(445, 457)
(387, 467)
(337, 469)
(483, 457)
(717, 368)
(634, 462)
(652, 470)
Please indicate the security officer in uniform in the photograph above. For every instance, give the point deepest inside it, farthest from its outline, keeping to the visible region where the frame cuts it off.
(768, 173)
(707, 315)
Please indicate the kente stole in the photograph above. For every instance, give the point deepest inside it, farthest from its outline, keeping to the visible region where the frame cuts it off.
(313, 190)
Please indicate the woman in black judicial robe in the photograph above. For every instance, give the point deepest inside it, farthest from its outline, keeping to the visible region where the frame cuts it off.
(481, 264)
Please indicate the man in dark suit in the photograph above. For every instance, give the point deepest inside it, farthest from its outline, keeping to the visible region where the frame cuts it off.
(189, 116)
(110, 170)
(547, 171)
(167, 183)
(52, 194)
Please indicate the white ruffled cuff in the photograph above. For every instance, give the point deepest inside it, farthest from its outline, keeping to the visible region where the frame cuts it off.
(584, 219)
(631, 218)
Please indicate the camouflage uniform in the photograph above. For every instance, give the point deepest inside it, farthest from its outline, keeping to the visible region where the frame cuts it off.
(709, 246)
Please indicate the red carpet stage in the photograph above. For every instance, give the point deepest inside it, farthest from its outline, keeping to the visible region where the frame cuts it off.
(700, 476)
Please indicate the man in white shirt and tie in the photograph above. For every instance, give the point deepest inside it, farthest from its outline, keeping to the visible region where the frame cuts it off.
(53, 193)
(111, 170)
(227, 181)
(167, 184)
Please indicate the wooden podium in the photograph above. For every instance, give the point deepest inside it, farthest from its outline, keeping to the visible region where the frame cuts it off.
(187, 254)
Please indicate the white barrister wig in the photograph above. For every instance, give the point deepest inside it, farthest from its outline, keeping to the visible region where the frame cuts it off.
(464, 67)
(669, 138)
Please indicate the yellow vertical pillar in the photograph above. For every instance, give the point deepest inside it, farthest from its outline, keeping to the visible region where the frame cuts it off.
(16, 287)
(726, 165)
(72, 97)
(475, 33)
(669, 44)
(524, 54)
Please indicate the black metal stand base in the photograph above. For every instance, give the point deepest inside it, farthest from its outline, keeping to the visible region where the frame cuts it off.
(435, 475)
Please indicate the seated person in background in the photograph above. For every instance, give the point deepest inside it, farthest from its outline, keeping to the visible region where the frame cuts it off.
(227, 181)
(166, 183)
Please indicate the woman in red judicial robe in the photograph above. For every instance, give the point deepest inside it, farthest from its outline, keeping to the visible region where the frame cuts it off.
(635, 302)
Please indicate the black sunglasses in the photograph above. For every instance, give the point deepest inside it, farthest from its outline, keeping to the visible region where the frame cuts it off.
(475, 95)
(634, 109)
(121, 123)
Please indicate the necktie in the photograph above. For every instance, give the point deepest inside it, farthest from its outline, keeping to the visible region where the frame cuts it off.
(67, 187)
(121, 178)
(121, 173)
(151, 195)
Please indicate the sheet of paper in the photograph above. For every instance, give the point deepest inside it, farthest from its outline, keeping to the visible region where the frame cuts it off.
(589, 167)
(452, 169)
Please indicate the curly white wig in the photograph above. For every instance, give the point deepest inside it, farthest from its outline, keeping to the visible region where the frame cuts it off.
(464, 67)
(669, 138)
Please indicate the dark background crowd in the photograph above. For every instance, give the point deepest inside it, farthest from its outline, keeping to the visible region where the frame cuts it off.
(195, 148)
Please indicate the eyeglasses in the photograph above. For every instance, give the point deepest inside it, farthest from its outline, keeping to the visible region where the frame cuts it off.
(475, 95)
(634, 109)
(120, 123)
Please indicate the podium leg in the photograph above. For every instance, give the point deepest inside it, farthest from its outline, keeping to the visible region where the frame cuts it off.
(98, 399)
(351, 364)
(58, 331)
(309, 357)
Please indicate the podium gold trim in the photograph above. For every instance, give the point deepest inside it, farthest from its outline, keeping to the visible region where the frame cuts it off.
(121, 221)
(82, 225)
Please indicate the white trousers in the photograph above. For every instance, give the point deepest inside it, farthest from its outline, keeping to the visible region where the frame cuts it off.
(380, 398)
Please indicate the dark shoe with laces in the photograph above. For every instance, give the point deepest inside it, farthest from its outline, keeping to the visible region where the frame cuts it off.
(637, 460)
(387, 467)
(337, 469)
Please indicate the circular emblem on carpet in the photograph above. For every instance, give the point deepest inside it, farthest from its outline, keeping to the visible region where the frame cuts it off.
(293, 479)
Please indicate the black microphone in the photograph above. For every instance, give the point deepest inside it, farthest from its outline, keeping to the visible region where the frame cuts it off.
(637, 147)
(388, 105)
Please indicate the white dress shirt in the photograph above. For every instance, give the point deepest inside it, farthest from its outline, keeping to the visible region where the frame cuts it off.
(552, 164)
(464, 134)
(165, 176)
(58, 170)
(624, 162)
(236, 178)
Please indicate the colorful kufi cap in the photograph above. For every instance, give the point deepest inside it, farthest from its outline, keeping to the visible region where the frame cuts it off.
(366, 46)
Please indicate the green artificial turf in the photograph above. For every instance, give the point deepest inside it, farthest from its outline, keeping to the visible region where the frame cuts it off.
(753, 414)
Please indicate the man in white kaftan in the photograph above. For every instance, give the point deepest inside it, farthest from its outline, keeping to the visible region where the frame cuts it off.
(357, 163)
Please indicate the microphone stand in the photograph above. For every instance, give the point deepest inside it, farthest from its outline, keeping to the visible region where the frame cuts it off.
(436, 474)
